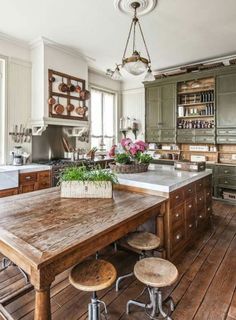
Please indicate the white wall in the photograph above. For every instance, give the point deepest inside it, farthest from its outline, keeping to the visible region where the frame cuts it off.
(18, 89)
(133, 104)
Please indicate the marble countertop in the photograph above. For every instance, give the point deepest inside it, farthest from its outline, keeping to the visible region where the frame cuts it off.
(163, 178)
(25, 168)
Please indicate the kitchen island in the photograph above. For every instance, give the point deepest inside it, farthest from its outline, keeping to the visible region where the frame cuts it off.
(189, 205)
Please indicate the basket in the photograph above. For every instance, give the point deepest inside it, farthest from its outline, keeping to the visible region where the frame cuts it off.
(129, 168)
(86, 189)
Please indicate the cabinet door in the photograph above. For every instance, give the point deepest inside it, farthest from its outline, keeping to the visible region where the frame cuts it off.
(168, 106)
(153, 99)
(226, 101)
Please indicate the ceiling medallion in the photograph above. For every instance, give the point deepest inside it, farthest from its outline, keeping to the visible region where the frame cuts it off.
(125, 6)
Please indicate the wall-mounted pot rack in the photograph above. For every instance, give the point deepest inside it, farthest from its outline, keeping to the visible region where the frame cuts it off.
(66, 98)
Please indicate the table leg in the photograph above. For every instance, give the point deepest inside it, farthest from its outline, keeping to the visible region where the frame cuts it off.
(42, 304)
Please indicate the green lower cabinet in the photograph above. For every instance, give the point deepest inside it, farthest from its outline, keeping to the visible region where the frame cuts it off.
(152, 135)
(224, 180)
(226, 139)
(205, 139)
(167, 136)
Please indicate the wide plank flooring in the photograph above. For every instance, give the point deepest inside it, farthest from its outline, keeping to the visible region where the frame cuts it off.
(206, 288)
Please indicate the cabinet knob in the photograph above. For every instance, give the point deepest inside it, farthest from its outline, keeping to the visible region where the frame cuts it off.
(177, 197)
(178, 236)
(189, 190)
(190, 206)
(200, 216)
(226, 181)
(177, 215)
(208, 193)
(200, 199)
(226, 171)
(209, 209)
(190, 225)
(28, 178)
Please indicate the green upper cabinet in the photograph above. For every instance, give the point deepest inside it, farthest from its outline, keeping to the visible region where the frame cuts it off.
(161, 106)
(226, 100)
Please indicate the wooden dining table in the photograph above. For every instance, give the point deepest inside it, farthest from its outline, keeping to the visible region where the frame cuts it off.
(45, 234)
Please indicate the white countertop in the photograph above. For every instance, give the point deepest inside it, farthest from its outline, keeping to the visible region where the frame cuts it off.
(25, 168)
(163, 178)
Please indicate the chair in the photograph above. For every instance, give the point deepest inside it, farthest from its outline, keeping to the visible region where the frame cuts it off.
(155, 273)
(92, 276)
(143, 242)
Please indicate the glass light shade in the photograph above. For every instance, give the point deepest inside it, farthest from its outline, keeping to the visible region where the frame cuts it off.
(135, 67)
(149, 76)
(116, 75)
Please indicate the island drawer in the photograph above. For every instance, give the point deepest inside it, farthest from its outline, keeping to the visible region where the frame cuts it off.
(190, 226)
(208, 209)
(177, 238)
(200, 200)
(177, 216)
(189, 191)
(190, 208)
(29, 177)
(176, 197)
(199, 185)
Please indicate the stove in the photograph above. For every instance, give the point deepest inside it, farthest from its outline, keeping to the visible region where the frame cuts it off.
(58, 165)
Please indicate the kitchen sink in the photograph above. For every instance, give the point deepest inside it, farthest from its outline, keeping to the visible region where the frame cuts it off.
(9, 178)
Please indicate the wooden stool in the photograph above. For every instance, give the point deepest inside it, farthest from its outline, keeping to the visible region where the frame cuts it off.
(142, 241)
(92, 276)
(155, 273)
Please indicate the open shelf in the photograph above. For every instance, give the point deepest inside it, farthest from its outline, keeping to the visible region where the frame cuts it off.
(194, 104)
(197, 91)
(197, 116)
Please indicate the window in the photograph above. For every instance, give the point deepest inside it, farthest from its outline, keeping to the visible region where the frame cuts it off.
(2, 110)
(103, 119)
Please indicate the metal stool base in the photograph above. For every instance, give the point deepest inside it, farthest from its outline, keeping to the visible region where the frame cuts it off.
(7, 263)
(94, 308)
(155, 306)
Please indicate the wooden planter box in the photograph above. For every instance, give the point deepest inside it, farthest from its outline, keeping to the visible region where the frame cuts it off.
(86, 189)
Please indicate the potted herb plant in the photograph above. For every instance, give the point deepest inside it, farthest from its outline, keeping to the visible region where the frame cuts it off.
(133, 159)
(80, 182)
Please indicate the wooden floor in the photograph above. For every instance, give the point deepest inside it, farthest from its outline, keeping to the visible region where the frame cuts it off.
(206, 288)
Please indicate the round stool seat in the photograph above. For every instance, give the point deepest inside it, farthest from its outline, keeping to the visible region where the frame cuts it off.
(93, 275)
(155, 272)
(143, 241)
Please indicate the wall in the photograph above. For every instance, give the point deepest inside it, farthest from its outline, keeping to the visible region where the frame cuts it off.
(18, 88)
(133, 104)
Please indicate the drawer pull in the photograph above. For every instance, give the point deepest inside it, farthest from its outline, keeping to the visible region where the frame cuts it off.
(190, 206)
(177, 197)
(28, 178)
(226, 171)
(178, 237)
(209, 209)
(200, 199)
(200, 216)
(200, 184)
(208, 193)
(189, 190)
(190, 225)
(177, 215)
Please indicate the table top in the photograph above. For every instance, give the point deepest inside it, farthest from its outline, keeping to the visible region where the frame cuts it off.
(162, 178)
(41, 224)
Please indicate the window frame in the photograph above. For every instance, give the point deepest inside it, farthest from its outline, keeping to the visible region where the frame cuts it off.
(4, 111)
(116, 111)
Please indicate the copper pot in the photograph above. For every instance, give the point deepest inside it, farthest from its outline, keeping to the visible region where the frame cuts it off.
(72, 88)
(70, 107)
(52, 79)
(59, 108)
(51, 101)
(63, 87)
(78, 88)
(85, 95)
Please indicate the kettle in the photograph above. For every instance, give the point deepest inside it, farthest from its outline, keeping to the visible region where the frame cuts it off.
(17, 156)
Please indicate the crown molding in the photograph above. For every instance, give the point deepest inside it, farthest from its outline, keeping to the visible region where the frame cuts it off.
(65, 49)
(225, 59)
(13, 40)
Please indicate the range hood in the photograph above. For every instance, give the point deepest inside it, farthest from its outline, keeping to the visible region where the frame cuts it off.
(45, 55)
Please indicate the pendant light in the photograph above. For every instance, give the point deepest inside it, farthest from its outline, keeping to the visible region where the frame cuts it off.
(135, 64)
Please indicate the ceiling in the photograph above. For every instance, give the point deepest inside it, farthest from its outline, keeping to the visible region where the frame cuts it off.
(177, 31)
